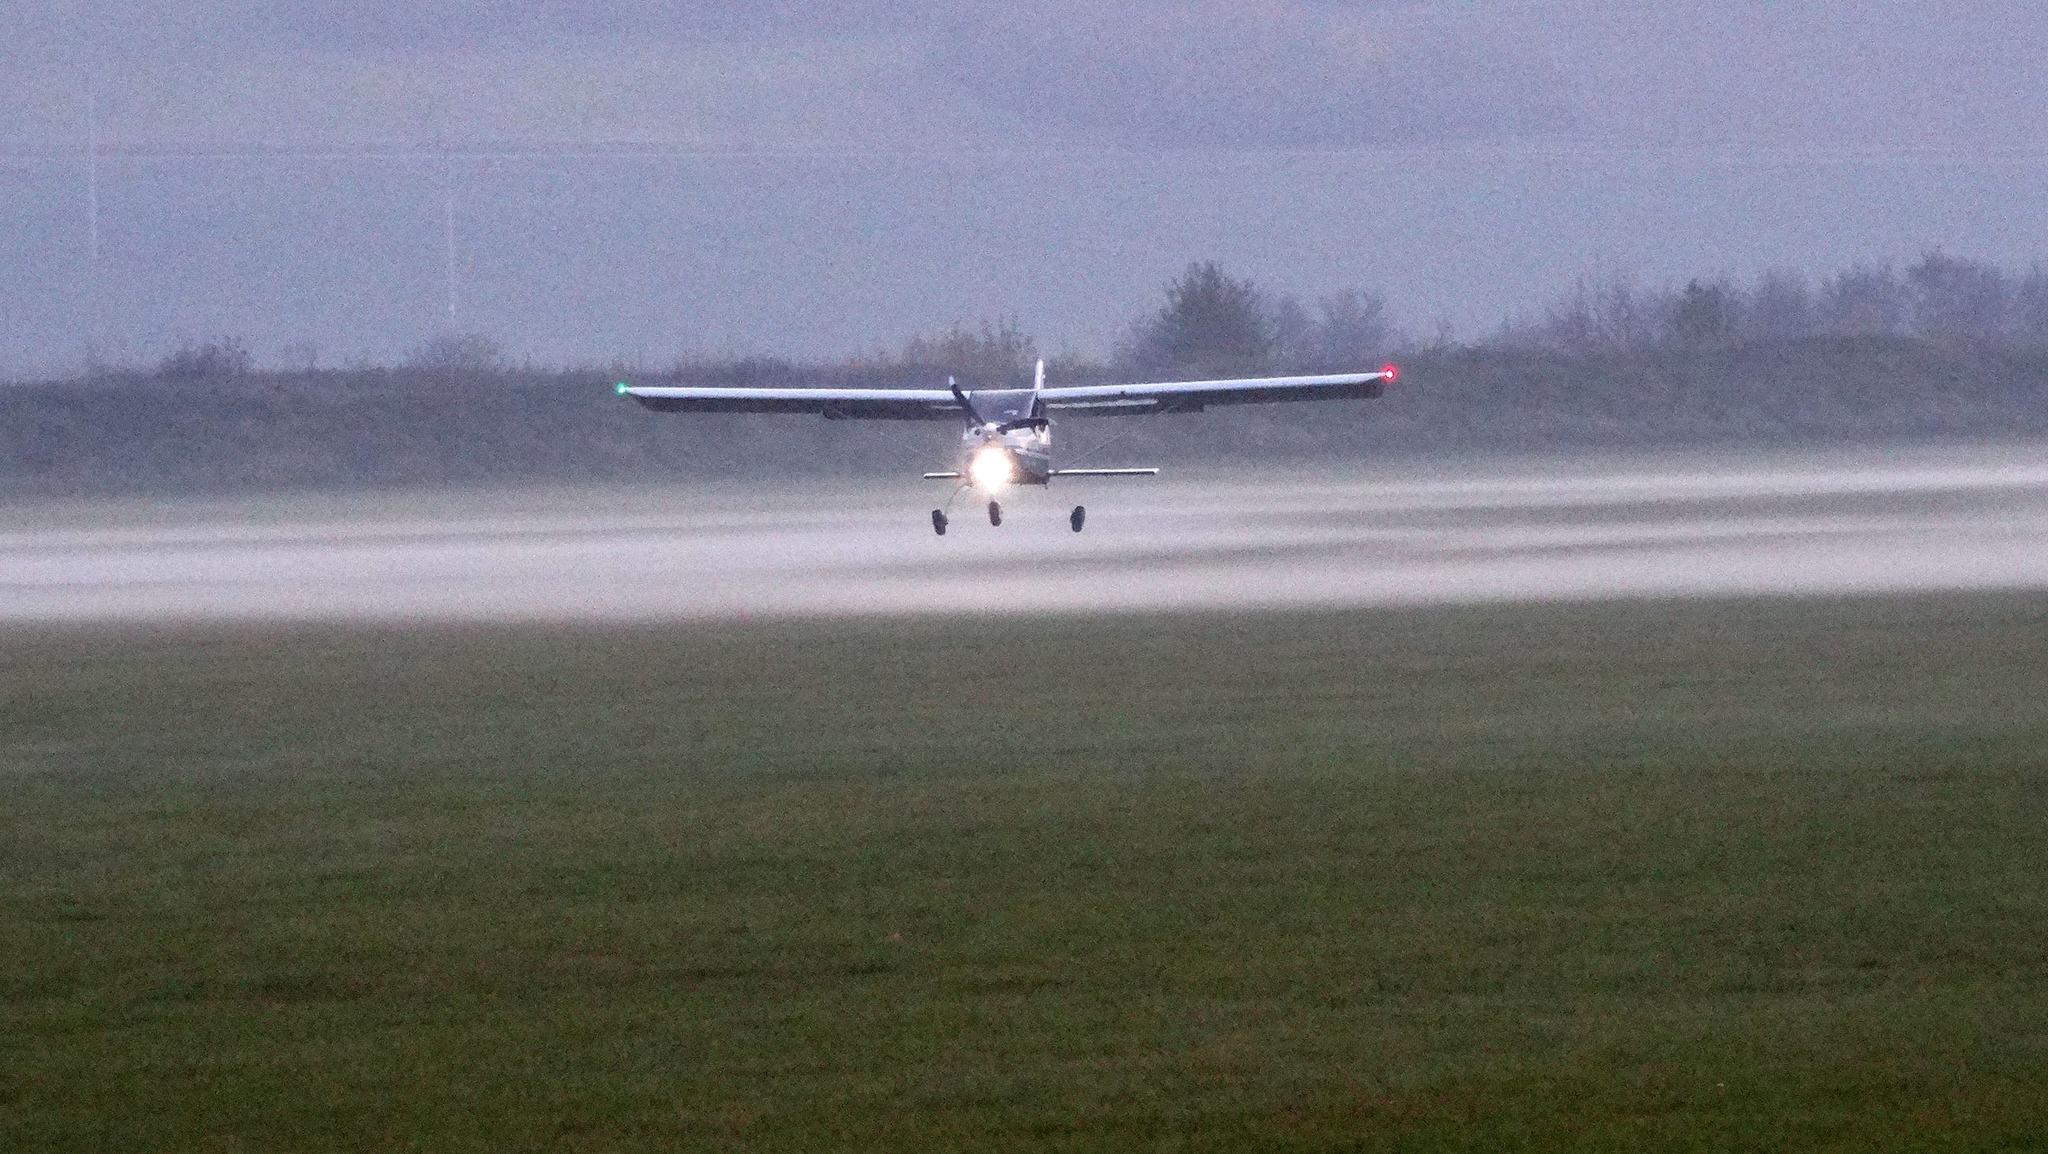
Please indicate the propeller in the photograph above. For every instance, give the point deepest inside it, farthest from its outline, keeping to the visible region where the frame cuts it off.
(979, 421)
(973, 414)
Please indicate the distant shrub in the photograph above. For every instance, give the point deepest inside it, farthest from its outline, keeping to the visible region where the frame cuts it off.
(210, 360)
(456, 353)
(1001, 353)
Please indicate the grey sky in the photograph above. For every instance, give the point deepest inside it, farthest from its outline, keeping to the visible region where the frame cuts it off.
(863, 170)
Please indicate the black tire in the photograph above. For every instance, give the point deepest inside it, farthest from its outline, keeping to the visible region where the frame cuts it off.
(995, 513)
(939, 522)
(1078, 517)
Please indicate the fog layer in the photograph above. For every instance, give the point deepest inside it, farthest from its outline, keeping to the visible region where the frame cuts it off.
(1787, 524)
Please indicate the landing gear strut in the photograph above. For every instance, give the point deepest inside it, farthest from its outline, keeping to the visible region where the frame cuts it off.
(939, 522)
(995, 513)
(1077, 517)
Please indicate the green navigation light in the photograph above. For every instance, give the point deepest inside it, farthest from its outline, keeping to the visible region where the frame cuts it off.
(622, 388)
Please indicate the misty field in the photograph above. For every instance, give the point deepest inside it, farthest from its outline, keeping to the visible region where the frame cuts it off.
(1697, 876)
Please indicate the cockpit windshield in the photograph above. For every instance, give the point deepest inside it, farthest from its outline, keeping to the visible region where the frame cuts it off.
(1003, 404)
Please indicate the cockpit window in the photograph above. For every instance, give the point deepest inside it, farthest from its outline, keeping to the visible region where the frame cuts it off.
(1004, 404)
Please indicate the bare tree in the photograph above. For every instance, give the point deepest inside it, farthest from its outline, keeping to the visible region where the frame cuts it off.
(1296, 339)
(1867, 300)
(1705, 313)
(2030, 307)
(1780, 308)
(1354, 330)
(1349, 330)
(1956, 298)
(1599, 317)
(299, 356)
(999, 353)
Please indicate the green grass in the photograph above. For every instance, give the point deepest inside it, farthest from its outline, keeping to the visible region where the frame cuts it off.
(1710, 876)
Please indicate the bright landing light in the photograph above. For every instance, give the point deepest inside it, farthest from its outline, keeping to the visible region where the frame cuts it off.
(990, 467)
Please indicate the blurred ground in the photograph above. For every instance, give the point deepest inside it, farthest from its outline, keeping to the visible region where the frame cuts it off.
(1957, 518)
(1662, 876)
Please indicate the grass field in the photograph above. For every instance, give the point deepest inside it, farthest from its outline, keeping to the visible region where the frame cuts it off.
(1705, 876)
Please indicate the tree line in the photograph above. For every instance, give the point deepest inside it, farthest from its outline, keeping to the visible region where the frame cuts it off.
(1211, 323)
(1942, 348)
(1936, 298)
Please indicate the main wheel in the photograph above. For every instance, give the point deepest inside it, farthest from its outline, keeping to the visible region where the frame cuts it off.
(1078, 517)
(995, 513)
(939, 522)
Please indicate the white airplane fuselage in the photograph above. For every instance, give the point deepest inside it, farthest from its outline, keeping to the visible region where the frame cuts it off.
(1012, 445)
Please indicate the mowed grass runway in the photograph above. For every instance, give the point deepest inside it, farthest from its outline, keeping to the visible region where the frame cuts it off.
(1707, 876)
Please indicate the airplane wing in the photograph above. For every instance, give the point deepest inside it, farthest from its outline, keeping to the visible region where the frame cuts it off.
(1194, 396)
(830, 403)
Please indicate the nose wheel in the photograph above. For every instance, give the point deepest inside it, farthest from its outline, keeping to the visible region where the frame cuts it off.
(995, 513)
(1078, 517)
(939, 522)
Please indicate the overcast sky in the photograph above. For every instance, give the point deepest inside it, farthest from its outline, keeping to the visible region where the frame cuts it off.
(650, 178)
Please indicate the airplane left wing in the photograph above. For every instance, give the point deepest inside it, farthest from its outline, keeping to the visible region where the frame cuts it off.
(1194, 396)
(830, 403)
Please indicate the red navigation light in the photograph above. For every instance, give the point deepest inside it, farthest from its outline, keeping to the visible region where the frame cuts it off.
(1393, 374)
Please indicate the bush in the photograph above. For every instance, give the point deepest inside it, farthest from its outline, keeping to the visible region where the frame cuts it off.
(456, 353)
(219, 358)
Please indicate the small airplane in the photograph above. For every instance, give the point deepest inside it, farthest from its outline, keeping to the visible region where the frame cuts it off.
(1008, 439)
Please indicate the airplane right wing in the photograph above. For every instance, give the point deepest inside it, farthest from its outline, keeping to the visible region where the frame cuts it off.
(830, 403)
(1194, 396)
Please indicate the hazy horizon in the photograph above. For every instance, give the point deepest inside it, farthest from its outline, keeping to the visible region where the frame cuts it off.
(818, 180)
